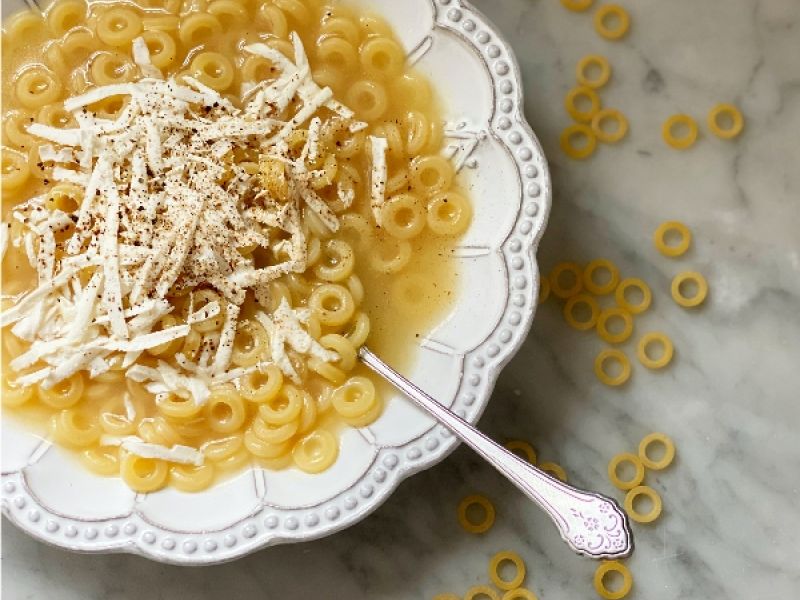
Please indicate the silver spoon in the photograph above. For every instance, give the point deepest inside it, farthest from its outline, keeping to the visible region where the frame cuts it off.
(591, 524)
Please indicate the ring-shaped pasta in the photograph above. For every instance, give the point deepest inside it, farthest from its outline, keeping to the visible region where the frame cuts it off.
(556, 284)
(368, 99)
(143, 475)
(571, 99)
(272, 20)
(111, 67)
(554, 469)
(162, 47)
(296, 10)
(382, 57)
(343, 347)
(586, 63)
(611, 31)
(166, 349)
(15, 123)
(12, 393)
(579, 131)
(577, 5)
(14, 168)
(114, 418)
(225, 410)
(101, 460)
(222, 448)
(692, 277)
(257, 68)
(250, 344)
(449, 213)
(272, 433)
(118, 26)
(735, 115)
(486, 521)
(74, 428)
(23, 26)
(213, 69)
(203, 298)
(356, 288)
(326, 370)
(191, 478)
(620, 295)
(669, 451)
(37, 86)
(403, 217)
(199, 28)
(544, 290)
(337, 53)
(614, 566)
(316, 451)
(613, 471)
(55, 115)
(609, 114)
(679, 249)
(262, 449)
(519, 594)
(522, 449)
(65, 393)
(606, 316)
(235, 461)
(332, 304)
(230, 13)
(598, 288)
(367, 418)
(355, 398)
(476, 591)
(418, 130)
(569, 311)
(685, 141)
(612, 355)
(647, 340)
(494, 570)
(157, 430)
(284, 408)
(359, 330)
(77, 45)
(64, 15)
(177, 407)
(342, 27)
(337, 262)
(431, 175)
(390, 255)
(630, 499)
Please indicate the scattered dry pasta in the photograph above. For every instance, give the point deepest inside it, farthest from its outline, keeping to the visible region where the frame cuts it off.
(647, 492)
(725, 111)
(643, 350)
(554, 469)
(486, 519)
(591, 62)
(600, 585)
(614, 116)
(519, 570)
(611, 21)
(689, 278)
(616, 357)
(522, 449)
(672, 250)
(623, 300)
(608, 316)
(659, 439)
(578, 133)
(619, 460)
(564, 290)
(570, 310)
(676, 140)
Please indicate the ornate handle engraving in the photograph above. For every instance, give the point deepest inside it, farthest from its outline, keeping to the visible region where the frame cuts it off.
(592, 524)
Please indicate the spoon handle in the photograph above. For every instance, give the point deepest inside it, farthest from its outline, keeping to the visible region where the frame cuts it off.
(591, 524)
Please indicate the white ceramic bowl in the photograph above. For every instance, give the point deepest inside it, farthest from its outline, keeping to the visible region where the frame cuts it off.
(51, 496)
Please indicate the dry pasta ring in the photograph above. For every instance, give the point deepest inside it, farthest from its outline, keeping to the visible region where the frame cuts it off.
(613, 471)
(686, 140)
(570, 103)
(664, 461)
(735, 115)
(612, 31)
(554, 469)
(655, 337)
(595, 287)
(607, 315)
(488, 514)
(699, 296)
(659, 239)
(556, 282)
(475, 593)
(620, 358)
(609, 114)
(519, 594)
(643, 490)
(622, 299)
(523, 450)
(578, 152)
(544, 289)
(569, 311)
(589, 61)
(494, 570)
(577, 5)
(612, 566)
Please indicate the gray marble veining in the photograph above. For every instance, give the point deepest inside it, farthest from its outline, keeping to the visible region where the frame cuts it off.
(731, 522)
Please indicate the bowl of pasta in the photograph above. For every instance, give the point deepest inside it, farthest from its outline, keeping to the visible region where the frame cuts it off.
(208, 207)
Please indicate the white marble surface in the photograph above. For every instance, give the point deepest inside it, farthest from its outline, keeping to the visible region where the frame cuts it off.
(731, 525)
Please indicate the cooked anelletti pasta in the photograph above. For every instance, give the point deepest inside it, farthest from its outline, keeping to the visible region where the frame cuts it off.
(211, 246)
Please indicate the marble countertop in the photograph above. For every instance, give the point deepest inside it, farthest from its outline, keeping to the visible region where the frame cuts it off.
(730, 400)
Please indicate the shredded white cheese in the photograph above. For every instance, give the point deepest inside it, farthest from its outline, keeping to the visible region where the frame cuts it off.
(378, 175)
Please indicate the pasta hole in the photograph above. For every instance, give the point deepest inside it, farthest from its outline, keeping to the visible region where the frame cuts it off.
(9, 166)
(654, 351)
(680, 129)
(724, 120)
(613, 581)
(366, 101)
(613, 368)
(118, 24)
(447, 211)
(476, 513)
(213, 69)
(222, 412)
(313, 447)
(615, 325)
(429, 177)
(626, 470)
(507, 569)
(567, 280)
(593, 71)
(155, 46)
(404, 217)
(331, 303)
(80, 421)
(673, 238)
(144, 467)
(579, 140)
(688, 288)
(643, 504)
(201, 34)
(656, 451)
(583, 103)
(634, 296)
(381, 61)
(582, 312)
(258, 380)
(244, 342)
(611, 20)
(610, 126)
